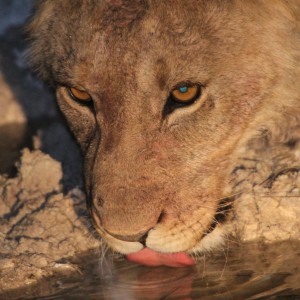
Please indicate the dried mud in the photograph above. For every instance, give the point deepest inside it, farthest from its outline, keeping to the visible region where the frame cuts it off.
(40, 226)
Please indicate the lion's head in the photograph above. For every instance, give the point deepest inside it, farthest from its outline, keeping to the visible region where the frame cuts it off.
(160, 95)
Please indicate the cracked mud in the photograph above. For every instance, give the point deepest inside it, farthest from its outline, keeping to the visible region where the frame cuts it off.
(39, 225)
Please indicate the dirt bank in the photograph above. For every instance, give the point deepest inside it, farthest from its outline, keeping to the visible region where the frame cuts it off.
(40, 227)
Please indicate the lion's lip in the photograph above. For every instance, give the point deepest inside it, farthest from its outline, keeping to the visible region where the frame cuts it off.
(151, 258)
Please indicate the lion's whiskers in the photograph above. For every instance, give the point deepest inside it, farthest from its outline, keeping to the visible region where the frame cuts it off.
(226, 254)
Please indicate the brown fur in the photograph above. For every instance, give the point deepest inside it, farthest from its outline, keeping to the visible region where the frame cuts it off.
(165, 175)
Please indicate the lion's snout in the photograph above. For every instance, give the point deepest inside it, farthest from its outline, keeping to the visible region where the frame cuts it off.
(128, 214)
(137, 202)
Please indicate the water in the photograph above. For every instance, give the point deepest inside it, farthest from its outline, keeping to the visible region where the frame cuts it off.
(244, 271)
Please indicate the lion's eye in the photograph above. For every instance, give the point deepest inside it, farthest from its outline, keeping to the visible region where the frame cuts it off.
(79, 95)
(186, 93)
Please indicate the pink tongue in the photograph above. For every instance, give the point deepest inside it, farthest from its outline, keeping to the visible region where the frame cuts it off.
(151, 258)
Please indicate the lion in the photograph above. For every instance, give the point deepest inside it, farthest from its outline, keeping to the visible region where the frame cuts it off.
(163, 97)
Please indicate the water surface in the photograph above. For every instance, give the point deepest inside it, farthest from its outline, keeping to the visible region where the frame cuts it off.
(241, 271)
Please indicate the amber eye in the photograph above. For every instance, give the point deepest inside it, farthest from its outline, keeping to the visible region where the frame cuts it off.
(186, 93)
(79, 95)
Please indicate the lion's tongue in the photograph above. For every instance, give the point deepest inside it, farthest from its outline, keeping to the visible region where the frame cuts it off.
(149, 257)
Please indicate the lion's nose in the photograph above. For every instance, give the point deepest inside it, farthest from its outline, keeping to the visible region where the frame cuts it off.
(140, 237)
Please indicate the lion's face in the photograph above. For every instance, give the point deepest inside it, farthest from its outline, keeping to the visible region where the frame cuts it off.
(158, 95)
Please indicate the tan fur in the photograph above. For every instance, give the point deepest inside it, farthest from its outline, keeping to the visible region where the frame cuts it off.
(167, 175)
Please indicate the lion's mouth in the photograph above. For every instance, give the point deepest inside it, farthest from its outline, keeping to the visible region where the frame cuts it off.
(149, 254)
(152, 258)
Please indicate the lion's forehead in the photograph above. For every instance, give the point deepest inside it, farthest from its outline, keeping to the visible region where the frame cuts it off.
(131, 32)
(91, 37)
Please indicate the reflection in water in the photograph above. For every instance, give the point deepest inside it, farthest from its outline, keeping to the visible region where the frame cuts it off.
(250, 271)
